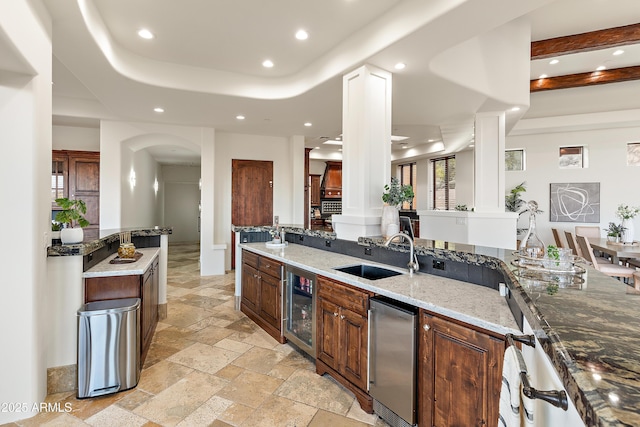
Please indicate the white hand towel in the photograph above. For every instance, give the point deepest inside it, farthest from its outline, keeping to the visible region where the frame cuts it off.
(510, 401)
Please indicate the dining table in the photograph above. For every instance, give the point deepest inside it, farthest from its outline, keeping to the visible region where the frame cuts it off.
(615, 249)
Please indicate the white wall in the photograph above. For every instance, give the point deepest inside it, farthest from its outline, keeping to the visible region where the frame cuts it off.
(182, 195)
(607, 165)
(139, 200)
(464, 178)
(25, 132)
(252, 147)
(317, 167)
(76, 138)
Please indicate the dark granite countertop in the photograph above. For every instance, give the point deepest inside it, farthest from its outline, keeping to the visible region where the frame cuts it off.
(106, 237)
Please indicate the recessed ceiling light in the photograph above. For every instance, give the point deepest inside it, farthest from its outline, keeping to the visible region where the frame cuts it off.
(471, 145)
(400, 66)
(302, 35)
(145, 34)
(267, 63)
(431, 140)
(515, 109)
(240, 117)
(308, 124)
(618, 52)
(159, 110)
(317, 147)
(554, 61)
(543, 76)
(601, 67)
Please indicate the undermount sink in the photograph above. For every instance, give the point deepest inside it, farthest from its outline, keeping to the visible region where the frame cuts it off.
(370, 272)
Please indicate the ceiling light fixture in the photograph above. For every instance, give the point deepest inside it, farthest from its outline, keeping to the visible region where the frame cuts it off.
(400, 66)
(543, 76)
(308, 124)
(515, 109)
(601, 67)
(554, 61)
(618, 52)
(302, 35)
(145, 34)
(159, 110)
(240, 117)
(267, 63)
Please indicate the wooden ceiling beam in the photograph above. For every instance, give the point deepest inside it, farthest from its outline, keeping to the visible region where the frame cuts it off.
(585, 42)
(615, 75)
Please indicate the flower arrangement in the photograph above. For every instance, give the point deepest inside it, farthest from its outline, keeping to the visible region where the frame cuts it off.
(627, 212)
(396, 194)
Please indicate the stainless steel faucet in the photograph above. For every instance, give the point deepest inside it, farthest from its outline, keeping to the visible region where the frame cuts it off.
(413, 260)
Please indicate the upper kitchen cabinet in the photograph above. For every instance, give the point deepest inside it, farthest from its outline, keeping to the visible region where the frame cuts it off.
(76, 175)
(331, 187)
(315, 189)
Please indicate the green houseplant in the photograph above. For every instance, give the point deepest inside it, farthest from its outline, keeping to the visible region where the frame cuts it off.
(614, 231)
(394, 196)
(72, 217)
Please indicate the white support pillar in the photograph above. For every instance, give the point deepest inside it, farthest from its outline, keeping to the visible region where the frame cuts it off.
(366, 151)
(489, 162)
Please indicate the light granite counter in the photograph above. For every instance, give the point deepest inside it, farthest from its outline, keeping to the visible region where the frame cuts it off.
(106, 269)
(590, 333)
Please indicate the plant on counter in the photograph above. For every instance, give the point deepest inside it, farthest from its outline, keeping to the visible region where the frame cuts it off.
(513, 202)
(463, 208)
(72, 212)
(396, 194)
(55, 226)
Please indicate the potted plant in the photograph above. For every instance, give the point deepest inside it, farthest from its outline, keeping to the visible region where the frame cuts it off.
(626, 213)
(72, 219)
(614, 232)
(55, 229)
(394, 196)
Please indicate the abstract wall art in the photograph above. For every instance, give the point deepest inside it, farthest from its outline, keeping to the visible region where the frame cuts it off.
(575, 202)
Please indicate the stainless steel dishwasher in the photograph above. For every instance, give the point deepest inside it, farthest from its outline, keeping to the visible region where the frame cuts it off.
(392, 360)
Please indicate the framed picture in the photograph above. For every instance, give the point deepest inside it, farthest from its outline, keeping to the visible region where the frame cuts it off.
(575, 202)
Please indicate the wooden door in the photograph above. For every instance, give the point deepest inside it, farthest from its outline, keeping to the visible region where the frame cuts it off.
(252, 192)
(270, 300)
(459, 374)
(250, 288)
(84, 183)
(327, 335)
(315, 190)
(354, 342)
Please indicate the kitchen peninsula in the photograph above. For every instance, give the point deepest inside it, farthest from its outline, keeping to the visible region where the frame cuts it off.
(68, 269)
(588, 333)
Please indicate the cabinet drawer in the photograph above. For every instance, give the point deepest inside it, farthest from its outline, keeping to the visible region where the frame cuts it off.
(344, 295)
(270, 267)
(250, 258)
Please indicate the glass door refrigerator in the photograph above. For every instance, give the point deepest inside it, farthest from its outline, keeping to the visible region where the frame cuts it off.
(299, 323)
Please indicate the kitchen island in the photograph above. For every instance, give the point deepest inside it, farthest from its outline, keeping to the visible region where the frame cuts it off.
(67, 268)
(589, 333)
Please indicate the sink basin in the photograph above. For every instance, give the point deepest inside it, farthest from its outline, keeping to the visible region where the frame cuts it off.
(370, 272)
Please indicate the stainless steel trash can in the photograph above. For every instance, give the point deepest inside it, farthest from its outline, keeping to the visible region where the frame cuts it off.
(108, 346)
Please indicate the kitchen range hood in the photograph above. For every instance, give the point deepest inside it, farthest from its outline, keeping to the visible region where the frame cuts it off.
(331, 186)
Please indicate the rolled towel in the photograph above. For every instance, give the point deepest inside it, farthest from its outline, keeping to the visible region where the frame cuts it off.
(515, 410)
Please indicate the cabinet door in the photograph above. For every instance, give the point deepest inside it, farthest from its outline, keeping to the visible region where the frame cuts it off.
(270, 300)
(250, 287)
(459, 374)
(146, 311)
(84, 183)
(315, 190)
(354, 342)
(327, 334)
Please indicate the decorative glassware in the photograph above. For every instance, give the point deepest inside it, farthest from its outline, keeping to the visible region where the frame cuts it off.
(531, 245)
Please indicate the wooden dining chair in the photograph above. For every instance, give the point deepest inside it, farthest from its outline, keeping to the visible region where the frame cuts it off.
(556, 237)
(573, 245)
(613, 270)
(588, 231)
(583, 251)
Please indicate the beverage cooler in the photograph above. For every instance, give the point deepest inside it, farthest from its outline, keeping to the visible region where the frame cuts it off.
(299, 323)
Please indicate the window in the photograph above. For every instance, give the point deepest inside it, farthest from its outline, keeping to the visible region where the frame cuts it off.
(408, 177)
(444, 182)
(514, 160)
(571, 157)
(633, 154)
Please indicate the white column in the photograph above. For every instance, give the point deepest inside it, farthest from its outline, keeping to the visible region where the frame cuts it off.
(489, 162)
(297, 180)
(366, 151)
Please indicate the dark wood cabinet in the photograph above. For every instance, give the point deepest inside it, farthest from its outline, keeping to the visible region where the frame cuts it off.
(459, 374)
(331, 187)
(315, 189)
(144, 286)
(342, 336)
(261, 298)
(76, 175)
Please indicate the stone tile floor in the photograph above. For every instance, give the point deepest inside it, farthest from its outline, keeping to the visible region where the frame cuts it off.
(209, 365)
